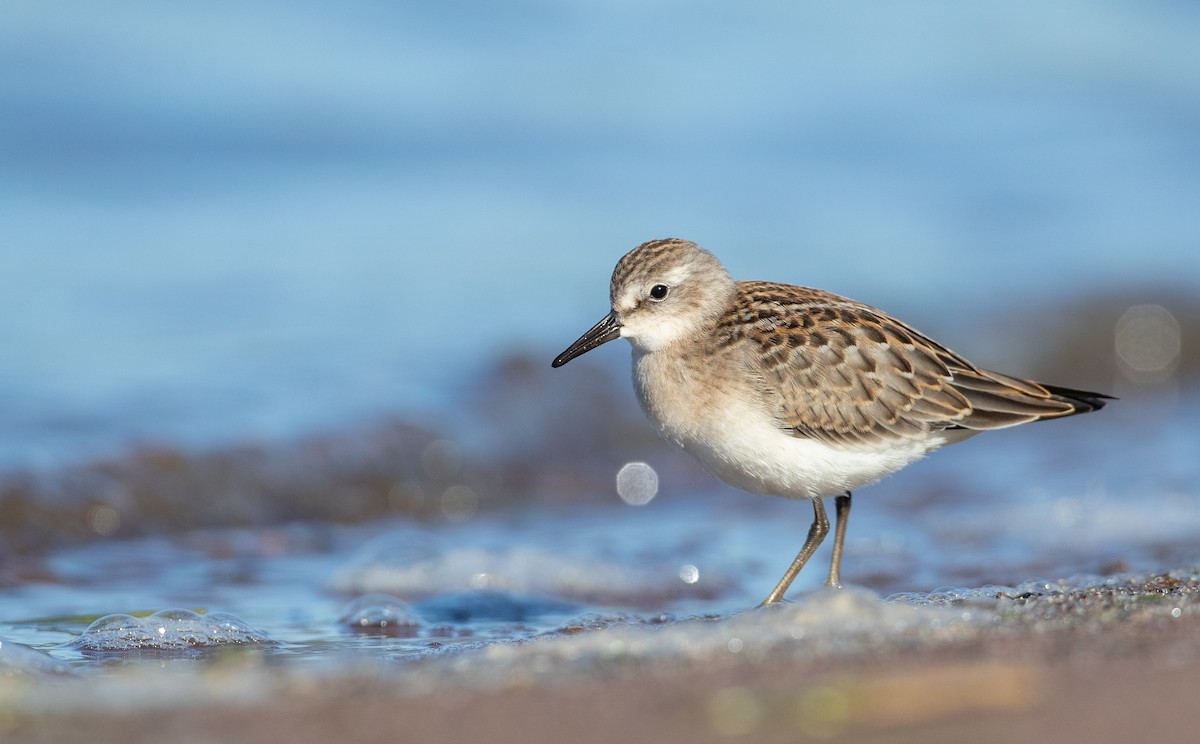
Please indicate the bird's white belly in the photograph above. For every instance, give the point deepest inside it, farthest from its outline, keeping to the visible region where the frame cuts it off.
(748, 451)
(744, 447)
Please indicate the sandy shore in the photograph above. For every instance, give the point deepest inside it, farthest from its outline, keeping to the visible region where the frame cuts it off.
(1096, 666)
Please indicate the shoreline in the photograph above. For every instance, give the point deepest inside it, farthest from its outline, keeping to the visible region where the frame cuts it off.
(1100, 664)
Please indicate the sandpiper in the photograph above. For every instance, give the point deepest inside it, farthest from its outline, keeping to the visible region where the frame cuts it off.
(797, 392)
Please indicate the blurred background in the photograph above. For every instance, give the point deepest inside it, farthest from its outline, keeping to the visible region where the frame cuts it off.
(259, 253)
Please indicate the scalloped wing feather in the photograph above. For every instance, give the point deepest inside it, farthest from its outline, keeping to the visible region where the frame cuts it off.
(849, 375)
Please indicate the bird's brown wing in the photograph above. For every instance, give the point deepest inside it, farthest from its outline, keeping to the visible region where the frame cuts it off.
(852, 376)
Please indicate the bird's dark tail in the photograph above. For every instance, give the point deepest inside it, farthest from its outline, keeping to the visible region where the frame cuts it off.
(1083, 401)
(999, 401)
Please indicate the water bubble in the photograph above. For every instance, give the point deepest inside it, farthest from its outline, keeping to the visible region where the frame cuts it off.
(167, 630)
(689, 574)
(225, 627)
(637, 483)
(381, 613)
(117, 632)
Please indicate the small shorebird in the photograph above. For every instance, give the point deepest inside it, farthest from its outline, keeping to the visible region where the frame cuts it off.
(798, 392)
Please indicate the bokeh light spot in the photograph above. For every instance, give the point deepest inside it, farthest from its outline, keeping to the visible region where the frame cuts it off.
(459, 503)
(637, 483)
(103, 519)
(1148, 343)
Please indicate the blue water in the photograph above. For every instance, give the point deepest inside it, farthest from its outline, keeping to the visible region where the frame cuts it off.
(247, 220)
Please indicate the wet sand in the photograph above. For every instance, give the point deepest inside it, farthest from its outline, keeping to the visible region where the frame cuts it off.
(1097, 665)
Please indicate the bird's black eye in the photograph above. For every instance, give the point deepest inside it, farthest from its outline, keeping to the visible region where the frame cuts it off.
(658, 292)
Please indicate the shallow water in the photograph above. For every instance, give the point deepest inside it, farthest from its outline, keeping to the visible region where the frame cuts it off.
(995, 511)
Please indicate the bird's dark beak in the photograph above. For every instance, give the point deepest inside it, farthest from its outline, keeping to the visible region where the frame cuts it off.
(601, 333)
